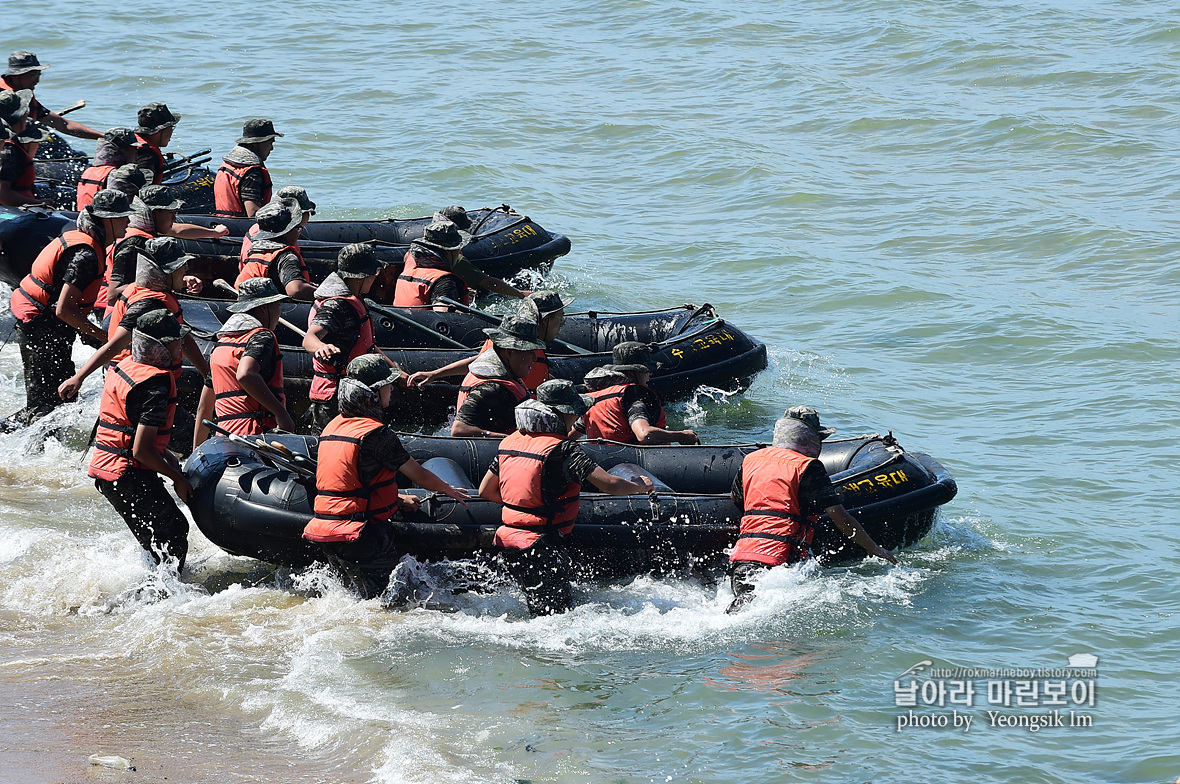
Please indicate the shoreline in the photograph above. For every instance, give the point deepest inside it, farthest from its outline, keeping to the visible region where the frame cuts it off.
(52, 726)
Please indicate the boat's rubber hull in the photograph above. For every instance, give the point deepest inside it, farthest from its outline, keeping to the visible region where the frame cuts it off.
(507, 243)
(692, 347)
(251, 509)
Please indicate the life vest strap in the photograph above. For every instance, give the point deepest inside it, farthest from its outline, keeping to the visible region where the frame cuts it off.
(390, 508)
(341, 439)
(125, 429)
(412, 279)
(358, 517)
(114, 450)
(518, 453)
(360, 492)
(773, 513)
(123, 375)
(794, 540)
(549, 510)
(44, 286)
(41, 306)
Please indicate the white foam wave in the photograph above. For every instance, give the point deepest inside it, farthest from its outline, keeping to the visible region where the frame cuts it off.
(15, 544)
(60, 573)
(657, 613)
(706, 401)
(803, 375)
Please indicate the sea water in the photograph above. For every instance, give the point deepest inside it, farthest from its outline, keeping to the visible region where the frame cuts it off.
(954, 222)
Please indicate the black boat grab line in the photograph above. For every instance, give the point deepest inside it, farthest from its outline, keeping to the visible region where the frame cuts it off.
(250, 508)
(409, 322)
(504, 208)
(495, 320)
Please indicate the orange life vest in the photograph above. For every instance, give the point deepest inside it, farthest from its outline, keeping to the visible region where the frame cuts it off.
(471, 381)
(538, 374)
(132, 294)
(93, 180)
(233, 407)
(607, 419)
(36, 110)
(774, 530)
(324, 374)
(227, 199)
(101, 301)
(39, 290)
(247, 244)
(115, 435)
(157, 163)
(258, 265)
(25, 184)
(413, 285)
(525, 517)
(342, 504)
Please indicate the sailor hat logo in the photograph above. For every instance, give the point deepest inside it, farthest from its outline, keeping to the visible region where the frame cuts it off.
(1085, 661)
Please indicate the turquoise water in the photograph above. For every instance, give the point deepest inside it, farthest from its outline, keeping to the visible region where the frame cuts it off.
(952, 221)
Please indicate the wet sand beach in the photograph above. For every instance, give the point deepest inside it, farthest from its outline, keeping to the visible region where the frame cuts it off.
(955, 222)
(51, 724)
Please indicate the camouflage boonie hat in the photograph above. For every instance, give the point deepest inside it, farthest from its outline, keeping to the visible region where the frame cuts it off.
(442, 235)
(632, 356)
(604, 376)
(810, 417)
(798, 436)
(109, 203)
(549, 302)
(358, 260)
(277, 218)
(166, 253)
(257, 131)
(128, 179)
(456, 215)
(159, 197)
(14, 106)
(516, 334)
(161, 325)
(533, 416)
(560, 395)
(33, 132)
(297, 194)
(21, 62)
(124, 137)
(256, 292)
(155, 117)
(372, 371)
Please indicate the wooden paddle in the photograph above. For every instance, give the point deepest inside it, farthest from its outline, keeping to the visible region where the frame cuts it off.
(72, 108)
(495, 320)
(221, 284)
(297, 463)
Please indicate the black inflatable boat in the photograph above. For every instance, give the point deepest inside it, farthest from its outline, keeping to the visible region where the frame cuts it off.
(505, 242)
(60, 167)
(23, 234)
(692, 346)
(253, 508)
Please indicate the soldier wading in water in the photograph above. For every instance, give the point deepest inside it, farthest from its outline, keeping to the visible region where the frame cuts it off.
(782, 489)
